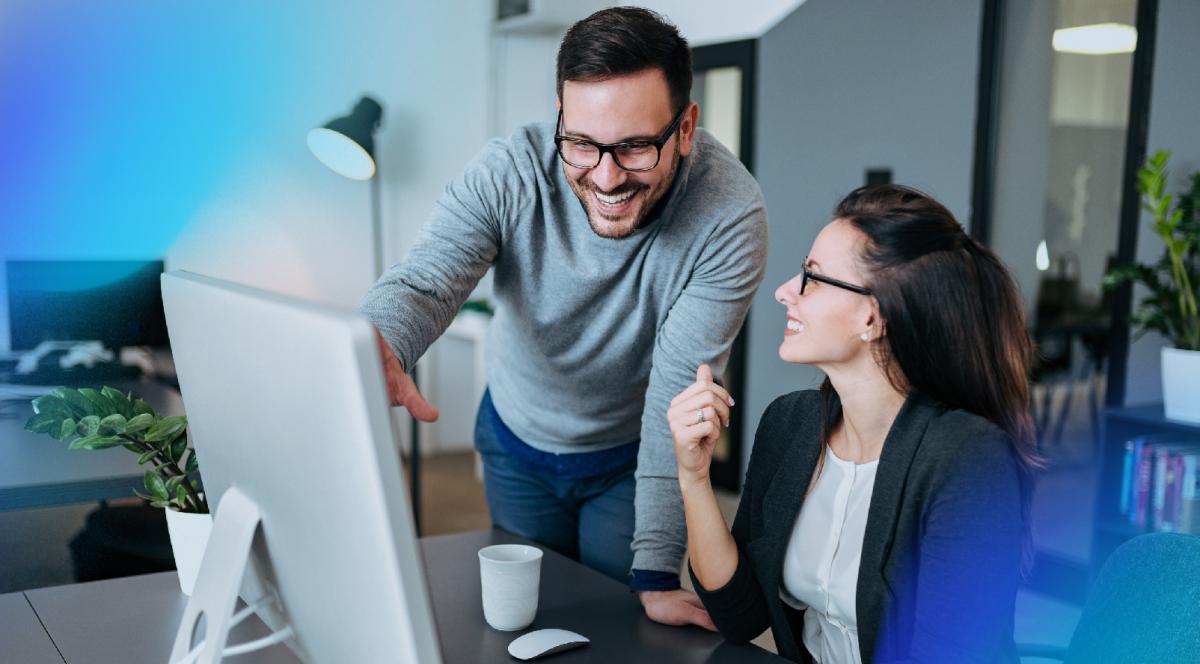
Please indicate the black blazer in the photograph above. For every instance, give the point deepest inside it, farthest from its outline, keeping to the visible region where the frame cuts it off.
(941, 556)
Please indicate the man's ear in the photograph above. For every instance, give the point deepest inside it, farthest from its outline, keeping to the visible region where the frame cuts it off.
(687, 128)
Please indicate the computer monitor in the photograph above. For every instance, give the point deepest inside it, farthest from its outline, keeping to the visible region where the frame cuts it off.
(288, 411)
(115, 302)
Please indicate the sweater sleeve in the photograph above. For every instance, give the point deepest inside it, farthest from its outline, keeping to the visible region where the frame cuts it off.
(699, 328)
(416, 299)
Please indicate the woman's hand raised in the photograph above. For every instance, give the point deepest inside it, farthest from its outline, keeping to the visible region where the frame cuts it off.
(696, 417)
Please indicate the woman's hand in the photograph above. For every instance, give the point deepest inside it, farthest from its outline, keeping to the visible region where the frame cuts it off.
(696, 417)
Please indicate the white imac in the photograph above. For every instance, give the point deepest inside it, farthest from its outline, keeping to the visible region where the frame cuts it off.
(289, 416)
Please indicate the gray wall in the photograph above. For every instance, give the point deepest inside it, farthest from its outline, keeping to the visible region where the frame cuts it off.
(1023, 140)
(1174, 101)
(844, 86)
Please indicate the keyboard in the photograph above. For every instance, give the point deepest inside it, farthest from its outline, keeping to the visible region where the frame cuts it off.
(96, 376)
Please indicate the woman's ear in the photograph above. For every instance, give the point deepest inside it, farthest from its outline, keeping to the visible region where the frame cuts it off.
(875, 322)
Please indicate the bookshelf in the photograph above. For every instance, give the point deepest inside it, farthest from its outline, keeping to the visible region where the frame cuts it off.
(1119, 424)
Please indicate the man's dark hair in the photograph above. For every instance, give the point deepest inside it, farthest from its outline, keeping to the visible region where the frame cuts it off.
(626, 40)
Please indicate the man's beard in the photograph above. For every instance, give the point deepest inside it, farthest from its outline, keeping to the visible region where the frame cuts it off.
(583, 189)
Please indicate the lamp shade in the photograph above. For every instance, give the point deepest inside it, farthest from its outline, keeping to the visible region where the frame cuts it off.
(347, 144)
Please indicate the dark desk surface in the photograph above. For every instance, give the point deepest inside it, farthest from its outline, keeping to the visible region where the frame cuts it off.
(134, 619)
(38, 471)
(572, 597)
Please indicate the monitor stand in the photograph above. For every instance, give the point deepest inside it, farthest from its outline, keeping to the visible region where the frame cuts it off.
(215, 596)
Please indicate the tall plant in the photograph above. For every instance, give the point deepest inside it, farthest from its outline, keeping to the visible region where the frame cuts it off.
(100, 419)
(1170, 307)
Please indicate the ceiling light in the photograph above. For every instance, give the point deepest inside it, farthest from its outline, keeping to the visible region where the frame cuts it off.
(1098, 39)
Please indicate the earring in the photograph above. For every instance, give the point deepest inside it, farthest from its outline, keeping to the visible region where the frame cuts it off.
(865, 336)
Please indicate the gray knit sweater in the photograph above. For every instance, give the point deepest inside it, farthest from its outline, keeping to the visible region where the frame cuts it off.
(592, 337)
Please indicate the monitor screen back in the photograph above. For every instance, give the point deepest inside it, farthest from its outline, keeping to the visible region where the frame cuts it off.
(116, 302)
(286, 401)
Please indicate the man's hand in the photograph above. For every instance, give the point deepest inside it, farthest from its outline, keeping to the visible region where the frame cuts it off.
(401, 389)
(676, 607)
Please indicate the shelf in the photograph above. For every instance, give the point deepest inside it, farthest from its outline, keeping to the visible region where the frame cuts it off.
(1150, 415)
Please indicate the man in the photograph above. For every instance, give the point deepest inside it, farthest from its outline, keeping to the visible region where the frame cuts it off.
(627, 246)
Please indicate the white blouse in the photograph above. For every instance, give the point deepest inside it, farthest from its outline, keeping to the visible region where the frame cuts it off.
(820, 568)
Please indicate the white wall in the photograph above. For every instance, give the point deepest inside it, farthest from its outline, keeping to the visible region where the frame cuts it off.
(525, 62)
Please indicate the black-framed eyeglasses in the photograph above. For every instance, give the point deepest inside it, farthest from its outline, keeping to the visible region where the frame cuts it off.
(636, 156)
(809, 274)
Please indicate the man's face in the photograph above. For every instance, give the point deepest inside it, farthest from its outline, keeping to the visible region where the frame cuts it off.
(634, 107)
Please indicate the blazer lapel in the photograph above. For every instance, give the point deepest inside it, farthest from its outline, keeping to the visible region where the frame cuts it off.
(895, 460)
(785, 493)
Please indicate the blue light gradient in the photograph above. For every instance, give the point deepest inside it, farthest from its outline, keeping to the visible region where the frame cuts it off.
(120, 119)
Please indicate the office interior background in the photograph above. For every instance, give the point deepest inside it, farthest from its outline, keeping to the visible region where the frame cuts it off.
(176, 132)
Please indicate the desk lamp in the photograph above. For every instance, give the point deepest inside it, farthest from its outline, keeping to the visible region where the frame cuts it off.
(347, 146)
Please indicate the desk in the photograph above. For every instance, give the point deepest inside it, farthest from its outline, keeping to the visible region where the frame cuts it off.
(22, 637)
(134, 619)
(38, 471)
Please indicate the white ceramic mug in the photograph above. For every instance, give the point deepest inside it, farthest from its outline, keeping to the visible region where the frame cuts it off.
(509, 575)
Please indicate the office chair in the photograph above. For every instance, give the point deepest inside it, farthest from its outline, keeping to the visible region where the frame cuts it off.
(1143, 607)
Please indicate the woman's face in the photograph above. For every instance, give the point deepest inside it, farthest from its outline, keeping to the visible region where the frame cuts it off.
(826, 323)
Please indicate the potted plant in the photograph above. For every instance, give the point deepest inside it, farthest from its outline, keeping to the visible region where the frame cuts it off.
(1170, 307)
(99, 419)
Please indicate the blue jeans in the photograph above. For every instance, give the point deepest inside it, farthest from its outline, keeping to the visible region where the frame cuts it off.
(588, 519)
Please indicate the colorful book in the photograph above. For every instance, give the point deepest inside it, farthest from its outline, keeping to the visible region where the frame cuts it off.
(1142, 486)
(1127, 467)
(1189, 494)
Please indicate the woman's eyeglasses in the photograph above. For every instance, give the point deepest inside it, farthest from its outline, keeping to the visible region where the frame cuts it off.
(810, 275)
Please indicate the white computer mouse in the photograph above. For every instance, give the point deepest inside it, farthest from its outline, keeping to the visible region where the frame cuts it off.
(542, 642)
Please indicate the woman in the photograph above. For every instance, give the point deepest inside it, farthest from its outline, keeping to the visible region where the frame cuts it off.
(884, 517)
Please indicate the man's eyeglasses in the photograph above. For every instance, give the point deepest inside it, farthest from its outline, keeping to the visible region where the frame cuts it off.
(636, 156)
(810, 275)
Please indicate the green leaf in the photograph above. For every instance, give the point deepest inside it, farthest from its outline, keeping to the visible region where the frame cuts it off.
(100, 404)
(180, 497)
(96, 443)
(166, 428)
(80, 406)
(114, 423)
(66, 430)
(140, 406)
(120, 401)
(139, 423)
(131, 447)
(155, 485)
(178, 446)
(174, 482)
(193, 465)
(43, 423)
(146, 456)
(142, 495)
(159, 503)
(88, 426)
(52, 404)
(80, 443)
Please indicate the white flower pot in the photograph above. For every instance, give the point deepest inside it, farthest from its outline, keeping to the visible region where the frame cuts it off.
(1181, 384)
(189, 536)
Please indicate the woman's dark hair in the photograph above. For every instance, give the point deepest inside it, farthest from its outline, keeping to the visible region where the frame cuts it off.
(626, 40)
(953, 315)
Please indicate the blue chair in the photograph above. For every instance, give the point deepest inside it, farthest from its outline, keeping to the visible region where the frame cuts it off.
(1143, 607)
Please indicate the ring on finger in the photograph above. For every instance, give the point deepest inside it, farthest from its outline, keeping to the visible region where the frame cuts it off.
(699, 415)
